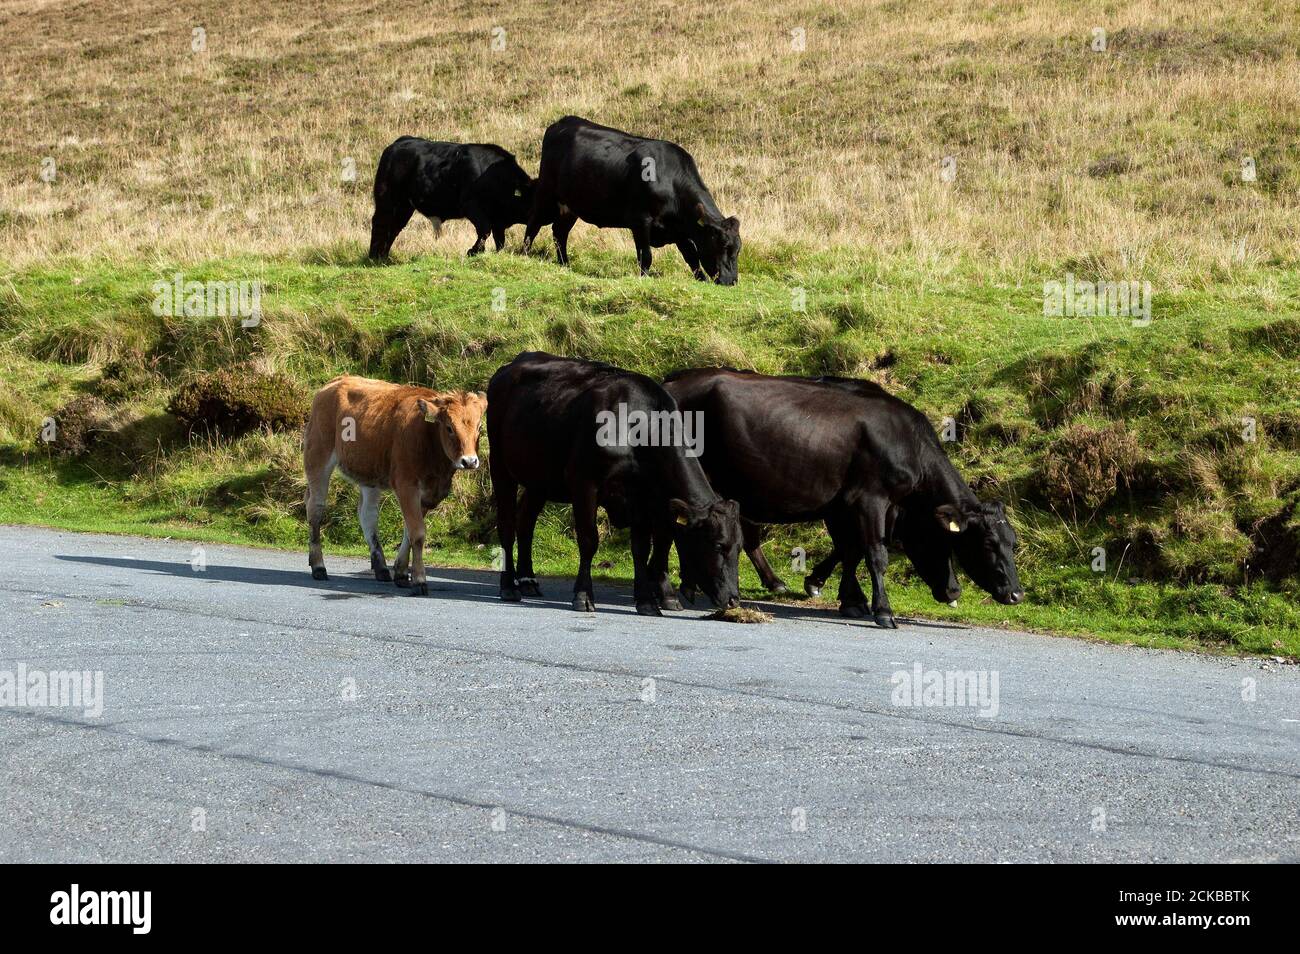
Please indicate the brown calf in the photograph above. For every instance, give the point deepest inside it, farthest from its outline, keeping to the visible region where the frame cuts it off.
(388, 436)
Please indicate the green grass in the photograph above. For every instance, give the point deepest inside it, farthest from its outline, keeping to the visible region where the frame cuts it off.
(1095, 432)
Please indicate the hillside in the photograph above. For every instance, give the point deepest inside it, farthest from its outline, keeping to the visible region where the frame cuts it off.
(1126, 160)
(1174, 445)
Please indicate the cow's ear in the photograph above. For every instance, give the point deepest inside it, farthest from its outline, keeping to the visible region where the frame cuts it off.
(482, 397)
(428, 411)
(702, 216)
(680, 511)
(951, 518)
(732, 224)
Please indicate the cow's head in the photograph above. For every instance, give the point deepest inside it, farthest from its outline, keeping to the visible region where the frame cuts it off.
(718, 242)
(985, 546)
(929, 547)
(455, 418)
(708, 545)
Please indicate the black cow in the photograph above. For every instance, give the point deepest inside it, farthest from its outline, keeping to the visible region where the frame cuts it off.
(791, 450)
(614, 180)
(448, 180)
(928, 546)
(551, 430)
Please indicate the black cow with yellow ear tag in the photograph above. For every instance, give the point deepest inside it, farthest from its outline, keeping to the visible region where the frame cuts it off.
(707, 539)
(854, 457)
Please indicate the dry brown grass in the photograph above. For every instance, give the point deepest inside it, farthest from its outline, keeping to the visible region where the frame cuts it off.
(162, 152)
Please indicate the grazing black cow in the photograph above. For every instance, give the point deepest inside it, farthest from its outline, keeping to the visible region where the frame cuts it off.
(448, 180)
(928, 546)
(591, 434)
(791, 450)
(614, 180)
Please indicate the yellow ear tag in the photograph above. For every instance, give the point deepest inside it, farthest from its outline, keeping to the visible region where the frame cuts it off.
(431, 416)
(952, 525)
(701, 222)
(519, 193)
(681, 521)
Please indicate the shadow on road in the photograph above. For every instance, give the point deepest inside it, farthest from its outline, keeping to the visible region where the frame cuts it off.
(340, 586)
(477, 586)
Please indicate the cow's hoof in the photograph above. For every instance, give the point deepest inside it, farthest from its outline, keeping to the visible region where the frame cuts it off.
(779, 588)
(530, 588)
(383, 576)
(886, 621)
(419, 589)
(583, 603)
(853, 611)
(510, 594)
(812, 587)
(402, 579)
(671, 603)
(318, 573)
(649, 608)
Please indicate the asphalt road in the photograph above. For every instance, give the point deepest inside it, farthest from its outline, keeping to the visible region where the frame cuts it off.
(252, 714)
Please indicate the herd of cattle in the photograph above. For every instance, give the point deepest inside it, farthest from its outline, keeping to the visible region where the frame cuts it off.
(605, 177)
(778, 450)
(773, 450)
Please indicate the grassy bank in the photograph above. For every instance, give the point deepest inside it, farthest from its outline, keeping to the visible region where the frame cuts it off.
(1096, 432)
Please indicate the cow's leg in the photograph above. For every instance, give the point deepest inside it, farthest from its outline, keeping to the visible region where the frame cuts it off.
(545, 211)
(368, 515)
(504, 490)
(318, 474)
(561, 229)
(389, 219)
(499, 237)
(872, 523)
(584, 526)
(643, 590)
(853, 602)
(814, 581)
(401, 564)
(644, 254)
(482, 229)
(753, 541)
(662, 540)
(408, 495)
(530, 508)
(692, 256)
